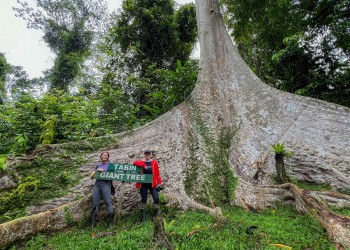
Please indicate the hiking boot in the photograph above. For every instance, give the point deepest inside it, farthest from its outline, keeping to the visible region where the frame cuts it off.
(111, 220)
(143, 215)
(93, 220)
(155, 211)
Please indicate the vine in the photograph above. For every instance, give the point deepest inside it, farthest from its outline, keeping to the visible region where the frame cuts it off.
(215, 169)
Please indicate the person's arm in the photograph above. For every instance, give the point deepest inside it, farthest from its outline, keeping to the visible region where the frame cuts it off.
(157, 173)
(139, 163)
(92, 175)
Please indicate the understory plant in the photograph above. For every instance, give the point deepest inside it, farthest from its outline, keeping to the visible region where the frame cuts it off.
(280, 153)
(3, 165)
(11, 202)
(53, 118)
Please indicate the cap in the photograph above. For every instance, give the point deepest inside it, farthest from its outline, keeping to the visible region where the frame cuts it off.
(147, 151)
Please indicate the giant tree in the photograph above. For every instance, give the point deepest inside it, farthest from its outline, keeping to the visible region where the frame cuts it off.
(69, 28)
(214, 148)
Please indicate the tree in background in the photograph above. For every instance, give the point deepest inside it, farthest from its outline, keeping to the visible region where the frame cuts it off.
(186, 26)
(69, 28)
(14, 81)
(298, 46)
(4, 69)
(148, 35)
(152, 33)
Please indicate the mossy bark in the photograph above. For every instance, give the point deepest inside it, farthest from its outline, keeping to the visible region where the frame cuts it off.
(52, 220)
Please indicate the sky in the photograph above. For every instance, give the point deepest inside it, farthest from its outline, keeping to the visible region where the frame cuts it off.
(25, 47)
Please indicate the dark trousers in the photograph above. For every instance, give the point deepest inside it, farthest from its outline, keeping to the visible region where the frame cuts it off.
(144, 191)
(102, 187)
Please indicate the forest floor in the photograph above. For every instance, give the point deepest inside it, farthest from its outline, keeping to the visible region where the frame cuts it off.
(279, 228)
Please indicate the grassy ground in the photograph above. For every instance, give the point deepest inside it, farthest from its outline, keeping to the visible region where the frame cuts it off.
(197, 230)
(311, 186)
(340, 211)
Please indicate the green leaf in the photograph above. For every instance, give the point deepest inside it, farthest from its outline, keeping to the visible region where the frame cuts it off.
(280, 149)
(3, 165)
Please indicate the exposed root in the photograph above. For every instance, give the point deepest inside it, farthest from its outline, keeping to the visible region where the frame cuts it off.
(188, 203)
(51, 220)
(331, 198)
(337, 226)
(253, 197)
(162, 240)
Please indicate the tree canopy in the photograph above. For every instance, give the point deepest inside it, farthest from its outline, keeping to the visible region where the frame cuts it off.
(69, 28)
(148, 36)
(152, 33)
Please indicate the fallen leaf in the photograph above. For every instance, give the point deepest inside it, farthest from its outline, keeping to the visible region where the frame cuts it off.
(193, 232)
(282, 246)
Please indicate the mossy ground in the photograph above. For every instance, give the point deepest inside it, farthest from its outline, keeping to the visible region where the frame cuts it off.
(55, 172)
(198, 230)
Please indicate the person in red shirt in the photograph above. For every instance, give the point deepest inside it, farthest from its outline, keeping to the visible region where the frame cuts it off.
(149, 166)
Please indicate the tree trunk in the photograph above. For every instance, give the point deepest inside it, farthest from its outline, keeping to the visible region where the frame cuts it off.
(280, 169)
(233, 112)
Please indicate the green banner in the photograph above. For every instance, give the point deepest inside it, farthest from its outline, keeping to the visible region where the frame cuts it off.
(120, 176)
(123, 167)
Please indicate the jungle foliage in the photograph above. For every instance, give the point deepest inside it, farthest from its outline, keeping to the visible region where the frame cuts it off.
(53, 118)
(146, 67)
(297, 46)
(146, 40)
(146, 70)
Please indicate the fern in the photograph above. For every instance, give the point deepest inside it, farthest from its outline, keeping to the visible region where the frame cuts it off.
(168, 226)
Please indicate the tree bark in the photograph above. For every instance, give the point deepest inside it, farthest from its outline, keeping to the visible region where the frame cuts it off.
(230, 104)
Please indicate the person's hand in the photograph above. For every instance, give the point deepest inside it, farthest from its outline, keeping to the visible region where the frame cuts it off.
(159, 188)
(100, 169)
(92, 175)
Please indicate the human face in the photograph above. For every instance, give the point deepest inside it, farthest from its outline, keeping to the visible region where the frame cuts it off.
(104, 157)
(147, 156)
